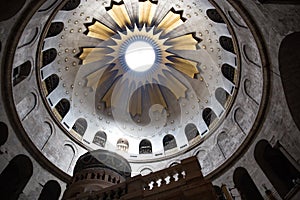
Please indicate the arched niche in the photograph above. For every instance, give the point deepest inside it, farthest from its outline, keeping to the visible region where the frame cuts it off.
(145, 147)
(245, 185)
(21, 72)
(290, 73)
(221, 96)
(80, 126)
(4, 133)
(15, 177)
(208, 116)
(191, 131)
(278, 169)
(100, 138)
(50, 191)
(63, 107)
(9, 8)
(169, 142)
(123, 144)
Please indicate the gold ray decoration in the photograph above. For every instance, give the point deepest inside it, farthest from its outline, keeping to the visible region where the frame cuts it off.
(187, 67)
(170, 22)
(119, 14)
(90, 55)
(185, 42)
(147, 94)
(100, 31)
(146, 12)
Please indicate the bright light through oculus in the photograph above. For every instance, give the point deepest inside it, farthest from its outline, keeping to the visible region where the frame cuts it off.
(140, 56)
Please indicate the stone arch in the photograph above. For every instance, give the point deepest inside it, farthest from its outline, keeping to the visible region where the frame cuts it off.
(67, 156)
(169, 142)
(63, 107)
(145, 147)
(50, 191)
(278, 169)
(26, 105)
(100, 138)
(221, 96)
(10, 8)
(21, 72)
(80, 126)
(208, 116)
(15, 177)
(245, 185)
(289, 70)
(191, 131)
(4, 133)
(123, 144)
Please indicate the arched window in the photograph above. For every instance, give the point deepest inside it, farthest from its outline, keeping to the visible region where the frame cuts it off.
(227, 44)
(51, 83)
(228, 72)
(50, 191)
(63, 107)
(145, 147)
(123, 144)
(71, 5)
(100, 138)
(191, 131)
(221, 96)
(15, 177)
(80, 126)
(21, 72)
(49, 56)
(245, 185)
(214, 16)
(4, 133)
(169, 142)
(208, 116)
(289, 73)
(55, 29)
(281, 173)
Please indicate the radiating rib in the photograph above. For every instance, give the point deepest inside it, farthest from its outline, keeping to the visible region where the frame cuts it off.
(185, 66)
(90, 55)
(100, 31)
(185, 42)
(146, 12)
(170, 22)
(119, 15)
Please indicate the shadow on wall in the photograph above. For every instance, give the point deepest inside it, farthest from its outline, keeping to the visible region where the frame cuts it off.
(289, 66)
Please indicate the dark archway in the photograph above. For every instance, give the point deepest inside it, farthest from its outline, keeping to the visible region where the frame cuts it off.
(289, 66)
(145, 147)
(281, 173)
(15, 177)
(169, 142)
(4, 133)
(100, 138)
(245, 185)
(50, 191)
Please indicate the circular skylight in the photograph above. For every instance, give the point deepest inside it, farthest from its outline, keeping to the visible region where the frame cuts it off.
(140, 56)
(98, 92)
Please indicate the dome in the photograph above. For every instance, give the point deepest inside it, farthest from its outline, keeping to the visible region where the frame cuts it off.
(105, 160)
